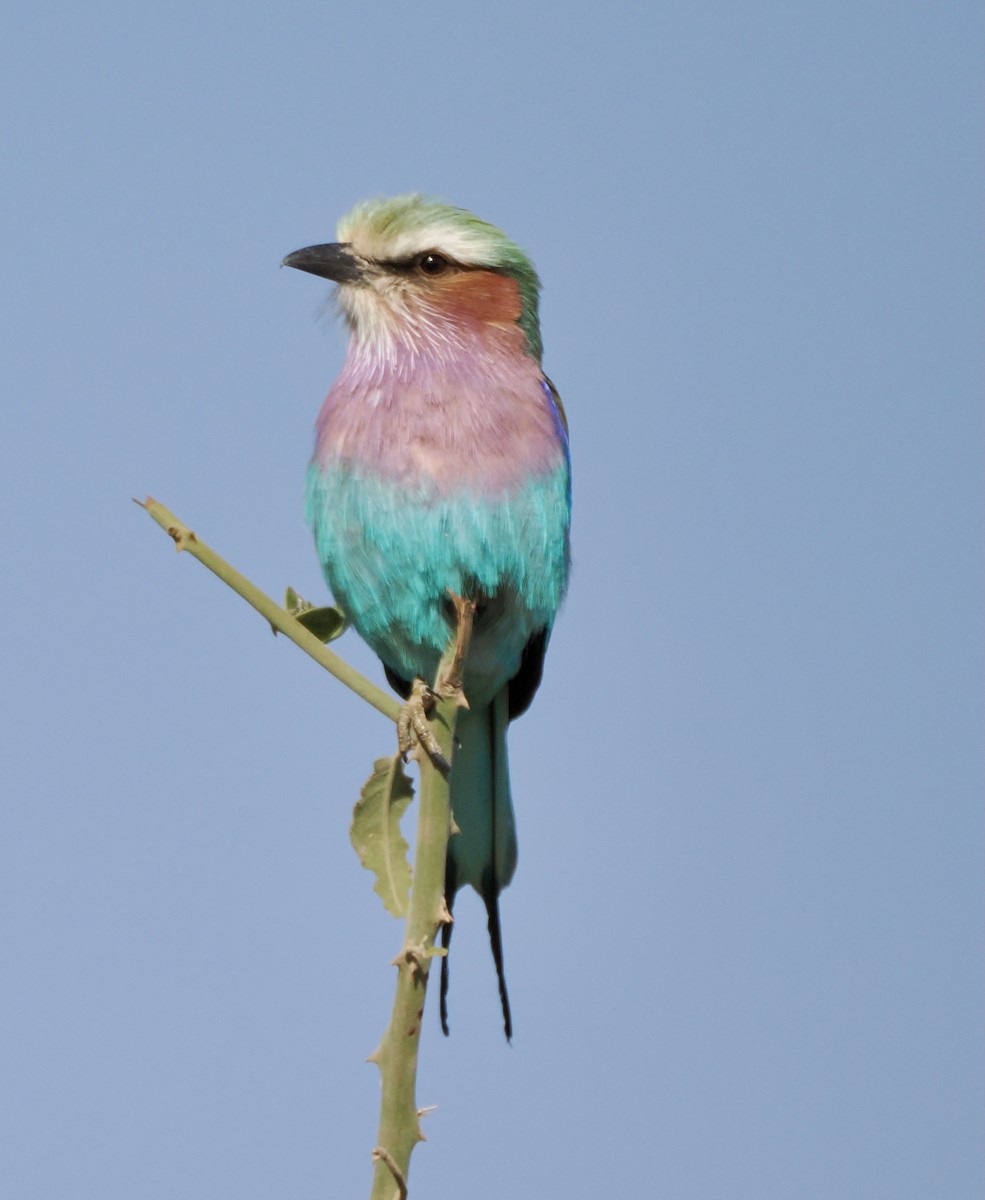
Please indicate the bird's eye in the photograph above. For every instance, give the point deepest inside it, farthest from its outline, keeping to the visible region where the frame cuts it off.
(433, 264)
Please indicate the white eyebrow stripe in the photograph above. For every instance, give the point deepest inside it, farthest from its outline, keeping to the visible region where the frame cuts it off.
(466, 246)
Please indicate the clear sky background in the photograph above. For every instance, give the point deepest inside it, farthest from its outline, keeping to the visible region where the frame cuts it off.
(744, 939)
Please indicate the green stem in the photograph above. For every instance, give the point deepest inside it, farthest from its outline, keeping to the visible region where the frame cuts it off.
(279, 617)
(396, 1056)
(399, 1129)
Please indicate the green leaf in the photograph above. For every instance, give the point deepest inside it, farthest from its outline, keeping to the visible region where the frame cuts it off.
(376, 835)
(325, 623)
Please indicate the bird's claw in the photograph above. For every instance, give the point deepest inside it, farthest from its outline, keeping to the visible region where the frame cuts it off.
(413, 722)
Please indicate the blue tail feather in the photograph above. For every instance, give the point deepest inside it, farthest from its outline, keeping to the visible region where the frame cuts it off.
(483, 853)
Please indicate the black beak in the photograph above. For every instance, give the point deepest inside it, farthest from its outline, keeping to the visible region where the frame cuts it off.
(334, 261)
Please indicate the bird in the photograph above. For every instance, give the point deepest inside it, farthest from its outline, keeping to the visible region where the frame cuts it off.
(441, 470)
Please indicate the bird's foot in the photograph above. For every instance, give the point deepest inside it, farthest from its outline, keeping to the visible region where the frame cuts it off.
(413, 722)
(448, 685)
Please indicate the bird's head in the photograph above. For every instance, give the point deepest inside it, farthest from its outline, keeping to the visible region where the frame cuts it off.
(417, 273)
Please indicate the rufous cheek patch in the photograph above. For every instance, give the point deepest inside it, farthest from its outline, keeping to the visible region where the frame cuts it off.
(486, 297)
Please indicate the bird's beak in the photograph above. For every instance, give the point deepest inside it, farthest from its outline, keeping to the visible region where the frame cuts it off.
(334, 261)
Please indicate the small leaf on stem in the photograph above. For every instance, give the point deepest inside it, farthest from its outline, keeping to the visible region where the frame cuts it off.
(325, 623)
(376, 835)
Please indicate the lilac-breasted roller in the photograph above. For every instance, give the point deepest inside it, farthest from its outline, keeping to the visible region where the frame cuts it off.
(441, 469)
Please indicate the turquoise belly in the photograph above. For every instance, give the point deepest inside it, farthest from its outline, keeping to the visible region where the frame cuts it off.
(391, 555)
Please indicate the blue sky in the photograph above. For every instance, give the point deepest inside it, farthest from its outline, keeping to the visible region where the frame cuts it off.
(744, 939)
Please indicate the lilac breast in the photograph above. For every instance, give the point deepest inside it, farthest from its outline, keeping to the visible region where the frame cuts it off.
(471, 418)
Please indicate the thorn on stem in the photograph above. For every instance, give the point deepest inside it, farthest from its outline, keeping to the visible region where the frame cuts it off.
(381, 1154)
